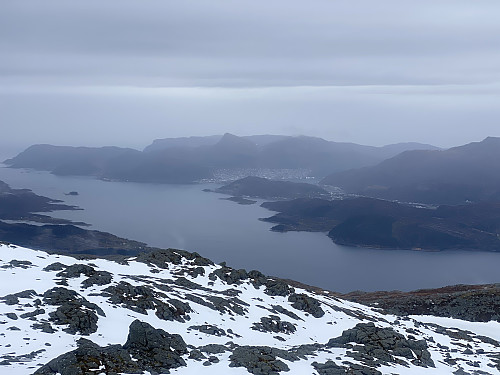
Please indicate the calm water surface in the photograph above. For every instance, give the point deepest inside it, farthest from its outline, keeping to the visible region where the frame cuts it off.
(183, 216)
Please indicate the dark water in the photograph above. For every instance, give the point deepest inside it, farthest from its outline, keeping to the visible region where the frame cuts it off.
(185, 217)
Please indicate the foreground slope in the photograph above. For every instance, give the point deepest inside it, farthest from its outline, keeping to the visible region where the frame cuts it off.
(176, 311)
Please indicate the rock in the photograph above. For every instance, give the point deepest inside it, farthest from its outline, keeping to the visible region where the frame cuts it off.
(13, 299)
(143, 298)
(209, 330)
(18, 264)
(274, 324)
(12, 316)
(213, 349)
(258, 360)
(277, 309)
(329, 368)
(155, 349)
(162, 258)
(305, 303)
(278, 288)
(93, 277)
(381, 345)
(146, 349)
(32, 314)
(74, 310)
(196, 355)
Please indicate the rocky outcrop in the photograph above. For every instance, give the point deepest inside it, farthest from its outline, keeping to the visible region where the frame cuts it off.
(143, 298)
(380, 346)
(73, 310)
(146, 349)
(154, 349)
(305, 303)
(76, 270)
(258, 360)
(274, 324)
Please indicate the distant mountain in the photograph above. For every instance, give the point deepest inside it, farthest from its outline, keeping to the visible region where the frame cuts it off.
(323, 157)
(454, 176)
(375, 223)
(111, 163)
(65, 160)
(187, 160)
(258, 187)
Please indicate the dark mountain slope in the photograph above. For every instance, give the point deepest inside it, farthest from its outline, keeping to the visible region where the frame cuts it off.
(466, 173)
(375, 223)
(112, 163)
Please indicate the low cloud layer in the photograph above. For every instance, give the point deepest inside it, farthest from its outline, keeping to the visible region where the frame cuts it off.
(361, 71)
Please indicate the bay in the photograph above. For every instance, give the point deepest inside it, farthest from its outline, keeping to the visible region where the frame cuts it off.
(185, 217)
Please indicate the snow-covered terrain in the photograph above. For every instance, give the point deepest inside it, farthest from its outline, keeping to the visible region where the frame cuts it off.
(228, 322)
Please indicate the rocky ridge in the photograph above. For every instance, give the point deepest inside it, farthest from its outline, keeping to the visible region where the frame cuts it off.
(172, 311)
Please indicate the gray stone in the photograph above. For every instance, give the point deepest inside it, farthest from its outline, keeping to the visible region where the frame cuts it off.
(305, 303)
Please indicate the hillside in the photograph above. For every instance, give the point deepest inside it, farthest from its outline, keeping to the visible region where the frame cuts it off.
(376, 223)
(176, 311)
(454, 176)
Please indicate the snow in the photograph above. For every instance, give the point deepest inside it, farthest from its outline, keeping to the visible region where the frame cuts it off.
(113, 327)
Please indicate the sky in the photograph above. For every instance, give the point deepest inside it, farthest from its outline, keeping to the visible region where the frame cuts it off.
(122, 72)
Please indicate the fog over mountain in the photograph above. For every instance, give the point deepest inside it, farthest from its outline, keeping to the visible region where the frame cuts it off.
(187, 160)
(458, 175)
(128, 71)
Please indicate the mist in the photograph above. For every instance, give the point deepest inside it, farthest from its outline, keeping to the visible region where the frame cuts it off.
(127, 72)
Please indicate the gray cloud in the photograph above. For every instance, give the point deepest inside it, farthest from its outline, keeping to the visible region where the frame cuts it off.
(419, 70)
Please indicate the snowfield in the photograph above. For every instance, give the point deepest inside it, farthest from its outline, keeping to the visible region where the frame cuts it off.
(228, 322)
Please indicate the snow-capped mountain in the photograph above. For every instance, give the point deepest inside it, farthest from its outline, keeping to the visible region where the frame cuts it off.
(176, 312)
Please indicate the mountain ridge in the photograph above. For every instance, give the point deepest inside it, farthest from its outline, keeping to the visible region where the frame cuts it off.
(454, 176)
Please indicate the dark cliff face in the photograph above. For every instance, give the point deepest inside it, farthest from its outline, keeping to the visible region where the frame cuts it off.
(455, 176)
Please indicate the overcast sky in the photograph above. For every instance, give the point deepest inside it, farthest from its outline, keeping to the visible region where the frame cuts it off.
(125, 72)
